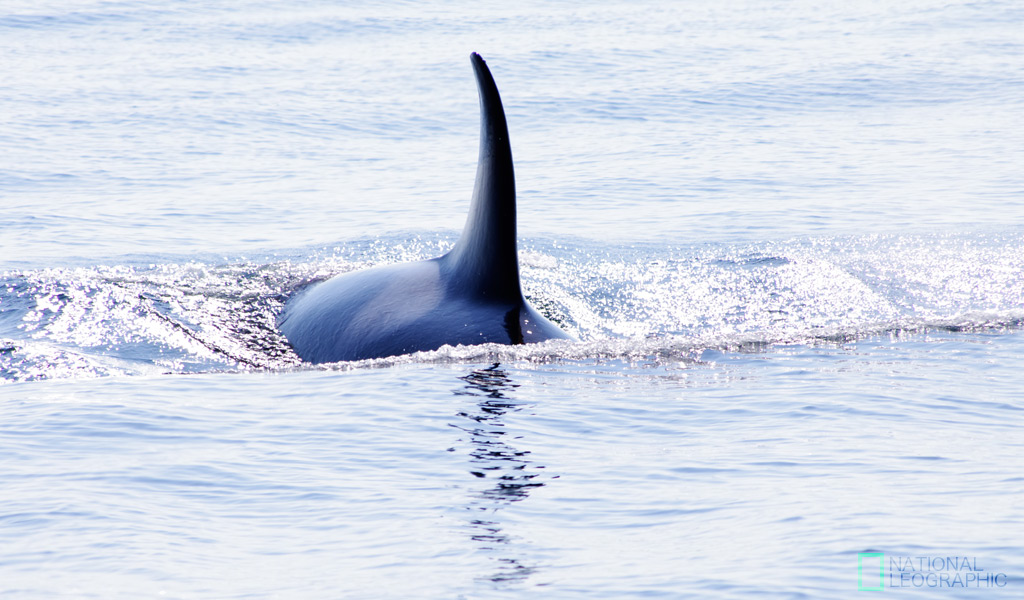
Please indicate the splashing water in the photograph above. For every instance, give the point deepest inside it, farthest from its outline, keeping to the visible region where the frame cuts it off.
(637, 303)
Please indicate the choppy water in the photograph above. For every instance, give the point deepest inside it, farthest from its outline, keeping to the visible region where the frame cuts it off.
(788, 237)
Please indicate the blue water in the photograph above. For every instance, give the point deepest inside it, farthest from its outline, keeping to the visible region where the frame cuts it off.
(787, 235)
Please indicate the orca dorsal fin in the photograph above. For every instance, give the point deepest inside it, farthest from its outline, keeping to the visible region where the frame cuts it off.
(484, 258)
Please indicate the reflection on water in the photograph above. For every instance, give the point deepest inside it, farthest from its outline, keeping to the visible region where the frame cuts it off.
(493, 457)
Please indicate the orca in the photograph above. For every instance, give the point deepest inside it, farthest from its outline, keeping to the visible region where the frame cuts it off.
(471, 295)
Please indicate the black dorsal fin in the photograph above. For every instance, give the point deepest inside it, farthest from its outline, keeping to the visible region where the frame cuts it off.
(484, 258)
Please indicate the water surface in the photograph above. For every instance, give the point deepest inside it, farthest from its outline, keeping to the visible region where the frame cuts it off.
(788, 237)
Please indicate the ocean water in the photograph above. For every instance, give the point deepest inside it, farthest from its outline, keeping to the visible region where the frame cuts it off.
(789, 238)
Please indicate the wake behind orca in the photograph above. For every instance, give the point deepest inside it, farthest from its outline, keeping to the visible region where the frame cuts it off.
(471, 295)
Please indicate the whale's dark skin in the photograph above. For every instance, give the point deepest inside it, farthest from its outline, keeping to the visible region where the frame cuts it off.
(469, 296)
